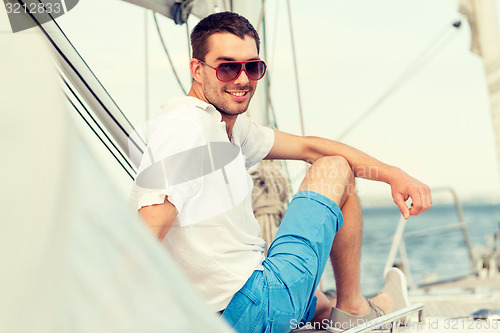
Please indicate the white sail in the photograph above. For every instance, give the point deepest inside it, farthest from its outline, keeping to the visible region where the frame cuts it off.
(74, 256)
(485, 42)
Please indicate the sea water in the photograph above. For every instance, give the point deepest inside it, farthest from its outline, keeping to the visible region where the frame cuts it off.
(433, 257)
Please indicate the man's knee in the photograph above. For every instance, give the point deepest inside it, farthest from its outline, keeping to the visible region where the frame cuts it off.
(333, 164)
(333, 167)
(330, 176)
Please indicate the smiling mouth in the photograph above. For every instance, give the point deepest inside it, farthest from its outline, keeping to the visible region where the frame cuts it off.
(238, 93)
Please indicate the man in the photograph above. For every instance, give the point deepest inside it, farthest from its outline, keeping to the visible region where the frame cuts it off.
(194, 192)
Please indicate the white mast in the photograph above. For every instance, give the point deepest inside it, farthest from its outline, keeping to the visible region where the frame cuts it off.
(258, 107)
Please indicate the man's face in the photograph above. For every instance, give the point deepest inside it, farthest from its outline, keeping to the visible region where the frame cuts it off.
(230, 98)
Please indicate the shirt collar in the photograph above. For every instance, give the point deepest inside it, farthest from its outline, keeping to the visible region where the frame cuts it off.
(190, 100)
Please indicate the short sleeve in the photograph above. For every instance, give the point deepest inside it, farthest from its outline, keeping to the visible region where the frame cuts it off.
(256, 141)
(172, 163)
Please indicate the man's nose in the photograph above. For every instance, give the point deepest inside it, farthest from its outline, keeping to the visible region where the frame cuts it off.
(242, 79)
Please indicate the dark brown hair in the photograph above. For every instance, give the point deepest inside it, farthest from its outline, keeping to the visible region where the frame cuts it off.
(220, 22)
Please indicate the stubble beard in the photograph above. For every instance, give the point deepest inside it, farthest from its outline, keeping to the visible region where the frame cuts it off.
(223, 107)
(229, 112)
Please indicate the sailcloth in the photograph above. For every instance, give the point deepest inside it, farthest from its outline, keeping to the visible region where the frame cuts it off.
(485, 42)
(74, 257)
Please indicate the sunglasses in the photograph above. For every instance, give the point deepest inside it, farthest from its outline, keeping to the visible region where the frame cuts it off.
(230, 70)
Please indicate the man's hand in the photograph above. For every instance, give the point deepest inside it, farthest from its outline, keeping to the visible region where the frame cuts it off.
(404, 187)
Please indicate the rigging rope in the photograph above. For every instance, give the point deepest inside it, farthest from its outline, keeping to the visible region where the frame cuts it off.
(63, 56)
(99, 127)
(273, 121)
(295, 69)
(261, 16)
(276, 16)
(102, 141)
(271, 117)
(85, 63)
(168, 54)
(420, 61)
(262, 23)
(188, 42)
(146, 67)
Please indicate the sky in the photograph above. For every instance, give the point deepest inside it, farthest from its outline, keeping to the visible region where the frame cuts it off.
(437, 126)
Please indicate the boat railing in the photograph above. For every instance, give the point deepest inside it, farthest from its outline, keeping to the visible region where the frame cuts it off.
(390, 320)
(398, 240)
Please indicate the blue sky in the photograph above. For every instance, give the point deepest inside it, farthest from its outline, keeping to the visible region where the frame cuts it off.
(436, 127)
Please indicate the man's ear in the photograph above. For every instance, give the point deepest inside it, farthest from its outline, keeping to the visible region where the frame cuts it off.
(195, 66)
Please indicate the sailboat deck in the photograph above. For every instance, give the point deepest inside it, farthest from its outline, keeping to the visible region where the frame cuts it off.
(460, 298)
(448, 307)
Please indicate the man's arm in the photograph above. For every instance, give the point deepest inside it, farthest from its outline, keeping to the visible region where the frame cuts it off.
(159, 218)
(309, 149)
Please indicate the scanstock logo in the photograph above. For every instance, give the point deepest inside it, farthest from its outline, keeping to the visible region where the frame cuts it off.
(25, 14)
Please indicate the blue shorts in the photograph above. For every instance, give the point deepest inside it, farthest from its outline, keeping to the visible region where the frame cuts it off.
(281, 296)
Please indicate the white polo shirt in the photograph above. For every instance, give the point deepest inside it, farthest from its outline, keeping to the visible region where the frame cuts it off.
(204, 174)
